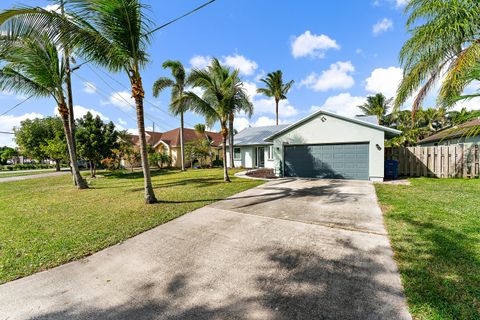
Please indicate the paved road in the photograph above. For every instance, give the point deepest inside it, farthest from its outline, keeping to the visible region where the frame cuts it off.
(290, 249)
(33, 176)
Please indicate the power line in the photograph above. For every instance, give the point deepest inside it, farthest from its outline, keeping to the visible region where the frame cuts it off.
(157, 28)
(145, 99)
(106, 96)
(5, 132)
(121, 97)
(181, 17)
(17, 105)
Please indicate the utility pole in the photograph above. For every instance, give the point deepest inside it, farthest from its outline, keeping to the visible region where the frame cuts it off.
(68, 82)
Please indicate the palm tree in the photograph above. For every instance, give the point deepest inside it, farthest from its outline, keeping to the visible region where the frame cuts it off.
(114, 35)
(377, 105)
(444, 38)
(223, 93)
(111, 33)
(178, 86)
(275, 88)
(33, 66)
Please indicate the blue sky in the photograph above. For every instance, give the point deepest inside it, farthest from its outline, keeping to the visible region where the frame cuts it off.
(338, 52)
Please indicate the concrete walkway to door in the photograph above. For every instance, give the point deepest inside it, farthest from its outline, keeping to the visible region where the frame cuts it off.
(289, 249)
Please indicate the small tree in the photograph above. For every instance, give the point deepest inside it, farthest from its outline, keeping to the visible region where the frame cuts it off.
(7, 153)
(95, 140)
(42, 139)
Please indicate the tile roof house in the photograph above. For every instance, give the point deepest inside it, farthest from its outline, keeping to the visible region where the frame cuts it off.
(169, 142)
(465, 133)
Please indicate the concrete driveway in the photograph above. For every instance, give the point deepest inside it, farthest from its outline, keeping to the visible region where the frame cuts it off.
(290, 249)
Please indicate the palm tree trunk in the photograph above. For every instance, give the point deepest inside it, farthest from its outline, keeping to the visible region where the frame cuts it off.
(225, 170)
(276, 109)
(79, 182)
(137, 90)
(182, 146)
(230, 135)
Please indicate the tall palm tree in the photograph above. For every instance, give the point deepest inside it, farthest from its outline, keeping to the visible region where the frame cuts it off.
(178, 85)
(111, 33)
(33, 66)
(275, 88)
(444, 38)
(377, 105)
(114, 34)
(223, 93)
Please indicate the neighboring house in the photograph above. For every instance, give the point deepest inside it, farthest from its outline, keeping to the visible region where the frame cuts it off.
(169, 142)
(460, 134)
(321, 145)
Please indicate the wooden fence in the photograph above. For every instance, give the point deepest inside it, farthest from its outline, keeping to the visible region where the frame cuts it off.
(455, 161)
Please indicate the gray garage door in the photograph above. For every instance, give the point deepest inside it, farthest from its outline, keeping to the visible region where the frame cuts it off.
(329, 161)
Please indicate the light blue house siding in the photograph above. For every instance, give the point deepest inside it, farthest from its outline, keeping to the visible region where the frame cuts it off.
(322, 145)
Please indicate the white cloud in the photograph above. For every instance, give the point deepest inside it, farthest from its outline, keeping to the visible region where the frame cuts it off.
(246, 66)
(382, 26)
(80, 111)
(52, 7)
(401, 3)
(338, 76)
(122, 122)
(89, 87)
(121, 99)
(241, 123)
(312, 45)
(384, 80)
(250, 88)
(200, 62)
(236, 61)
(8, 122)
(267, 106)
(344, 104)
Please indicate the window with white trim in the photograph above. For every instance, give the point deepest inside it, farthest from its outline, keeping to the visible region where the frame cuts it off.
(237, 155)
(270, 153)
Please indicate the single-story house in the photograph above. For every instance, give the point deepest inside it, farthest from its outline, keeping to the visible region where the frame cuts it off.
(169, 142)
(467, 133)
(321, 145)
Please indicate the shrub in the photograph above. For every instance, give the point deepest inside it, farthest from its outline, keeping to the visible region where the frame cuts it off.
(217, 163)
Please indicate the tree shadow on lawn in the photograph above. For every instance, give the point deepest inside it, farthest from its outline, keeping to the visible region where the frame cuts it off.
(119, 174)
(440, 269)
(283, 283)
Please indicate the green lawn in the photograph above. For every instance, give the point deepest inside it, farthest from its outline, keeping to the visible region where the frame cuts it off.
(45, 222)
(9, 174)
(434, 228)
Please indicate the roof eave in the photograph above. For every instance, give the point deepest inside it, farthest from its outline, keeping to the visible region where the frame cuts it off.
(393, 132)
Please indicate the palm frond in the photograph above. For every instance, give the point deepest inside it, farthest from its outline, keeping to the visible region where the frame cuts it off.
(160, 84)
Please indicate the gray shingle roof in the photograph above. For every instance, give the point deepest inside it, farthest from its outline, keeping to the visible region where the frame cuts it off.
(369, 119)
(256, 135)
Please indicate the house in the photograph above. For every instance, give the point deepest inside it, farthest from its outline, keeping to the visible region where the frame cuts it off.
(321, 145)
(464, 133)
(250, 148)
(169, 142)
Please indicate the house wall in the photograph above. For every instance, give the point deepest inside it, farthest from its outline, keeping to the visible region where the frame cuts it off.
(468, 141)
(327, 129)
(249, 157)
